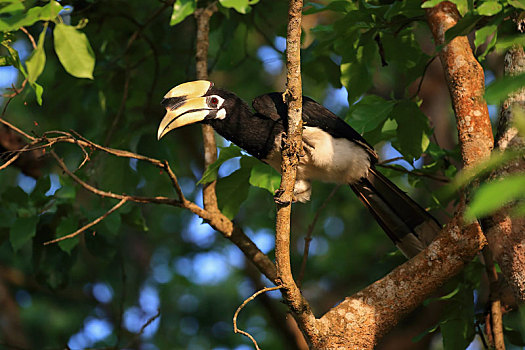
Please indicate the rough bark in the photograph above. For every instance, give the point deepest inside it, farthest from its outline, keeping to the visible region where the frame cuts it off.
(466, 82)
(506, 234)
(202, 17)
(291, 152)
(361, 320)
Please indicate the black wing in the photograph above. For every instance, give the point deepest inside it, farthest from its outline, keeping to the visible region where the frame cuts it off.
(314, 114)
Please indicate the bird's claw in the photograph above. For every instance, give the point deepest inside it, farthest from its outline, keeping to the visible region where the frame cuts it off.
(278, 198)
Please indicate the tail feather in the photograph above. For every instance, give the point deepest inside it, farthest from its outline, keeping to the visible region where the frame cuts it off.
(408, 225)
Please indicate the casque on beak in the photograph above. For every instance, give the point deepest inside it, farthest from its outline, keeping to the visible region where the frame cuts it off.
(184, 105)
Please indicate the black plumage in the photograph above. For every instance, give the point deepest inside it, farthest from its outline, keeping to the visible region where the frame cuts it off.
(334, 152)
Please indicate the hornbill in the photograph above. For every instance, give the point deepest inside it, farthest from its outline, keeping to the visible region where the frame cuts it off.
(333, 152)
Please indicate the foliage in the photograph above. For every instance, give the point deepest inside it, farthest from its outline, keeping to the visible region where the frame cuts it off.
(147, 257)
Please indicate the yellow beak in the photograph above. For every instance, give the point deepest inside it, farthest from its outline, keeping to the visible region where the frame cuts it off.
(186, 112)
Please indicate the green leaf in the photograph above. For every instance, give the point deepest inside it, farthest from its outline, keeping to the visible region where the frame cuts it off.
(74, 51)
(39, 90)
(7, 6)
(368, 113)
(67, 226)
(67, 192)
(457, 317)
(519, 4)
(493, 195)
(232, 190)
(36, 63)
(225, 154)
(413, 131)
(181, 10)
(426, 332)
(14, 59)
(444, 297)
(481, 36)
(505, 43)
(489, 8)
(241, 6)
(136, 219)
(264, 176)
(18, 18)
(484, 167)
(23, 229)
(430, 3)
(112, 222)
(501, 88)
(462, 6)
(356, 78)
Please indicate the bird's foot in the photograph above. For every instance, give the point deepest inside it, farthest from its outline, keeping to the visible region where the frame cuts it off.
(279, 198)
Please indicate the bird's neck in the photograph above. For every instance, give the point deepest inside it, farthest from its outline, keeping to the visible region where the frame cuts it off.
(252, 133)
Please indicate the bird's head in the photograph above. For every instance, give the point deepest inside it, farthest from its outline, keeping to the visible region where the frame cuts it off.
(189, 103)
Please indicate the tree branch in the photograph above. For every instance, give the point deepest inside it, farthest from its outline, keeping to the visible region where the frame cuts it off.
(292, 150)
(466, 83)
(202, 16)
(505, 232)
(362, 319)
(91, 224)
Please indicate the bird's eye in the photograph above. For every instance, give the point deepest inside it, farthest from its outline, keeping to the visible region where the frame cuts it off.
(214, 101)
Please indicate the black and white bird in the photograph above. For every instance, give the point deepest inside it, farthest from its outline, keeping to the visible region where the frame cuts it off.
(333, 152)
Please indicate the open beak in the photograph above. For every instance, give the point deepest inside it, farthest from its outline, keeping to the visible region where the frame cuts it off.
(183, 112)
(184, 105)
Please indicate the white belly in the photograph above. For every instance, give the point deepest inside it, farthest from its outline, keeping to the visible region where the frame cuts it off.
(325, 158)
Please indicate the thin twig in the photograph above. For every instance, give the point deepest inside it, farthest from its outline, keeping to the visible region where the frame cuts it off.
(15, 157)
(308, 237)
(291, 152)
(174, 181)
(92, 223)
(16, 92)
(101, 193)
(423, 77)
(11, 126)
(416, 173)
(496, 317)
(254, 295)
(31, 39)
(202, 16)
(386, 161)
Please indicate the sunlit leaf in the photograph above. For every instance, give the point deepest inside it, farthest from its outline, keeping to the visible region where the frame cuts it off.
(74, 51)
(493, 195)
(241, 6)
(501, 88)
(225, 154)
(430, 3)
(505, 43)
(489, 8)
(264, 176)
(36, 63)
(181, 10)
(520, 4)
(7, 6)
(17, 18)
